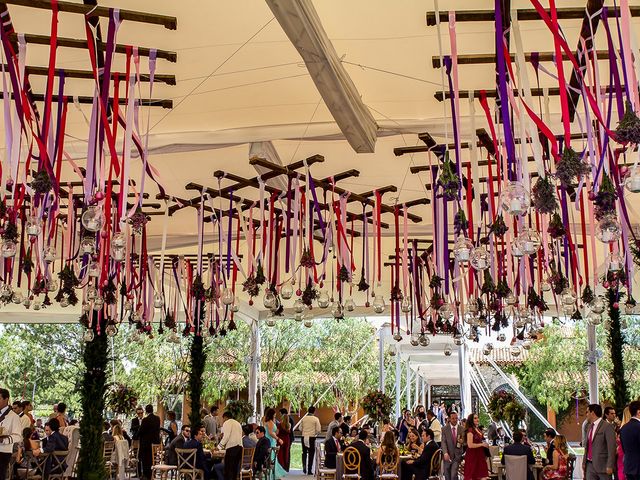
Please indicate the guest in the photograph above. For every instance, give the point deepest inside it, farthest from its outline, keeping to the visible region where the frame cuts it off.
(609, 414)
(557, 468)
(452, 441)
(178, 442)
(345, 425)
(626, 417)
(366, 466)
(418, 409)
(72, 432)
(173, 425)
(336, 422)
(63, 420)
(388, 450)
(231, 443)
(113, 423)
(518, 449)
(475, 460)
(148, 434)
(201, 460)
(435, 426)
(413, 441)
(272, 435)
(106, 432)
(210, 421)
(12, 427)
(630, 440)
(420, 468)
(600, 446)
(492, 432)
(54, 413)
(404, 424)
(549, 437)
(135, 423)
(24, 455)
(353, 433)
(387, 427)
(292, 423)
(54, 442)
(284, 437)
(442, 414)
(421, 422)
(18, 409)
(310, 429)
(27, 408)
(39, 430)
(263, 449)
(247, 437)
(332, 446)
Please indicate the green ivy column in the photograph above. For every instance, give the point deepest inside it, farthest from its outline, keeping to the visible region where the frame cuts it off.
(90, 461)
(198, 360)
(615, 341)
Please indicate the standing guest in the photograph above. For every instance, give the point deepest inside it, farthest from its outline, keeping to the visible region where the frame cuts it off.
(210, 421)
(18, 410)
(332, 447)
(39, 428)
(452, 440)
(626, 417)
(475, 461)
(492, 432)
(353, 432)
(284, 435)
(404, 424)
(557, 468)
(54, 414)
(310, 428)
(272, 435)
(135, 423)
(345, 426)
(27, 408)
(610, 415)
(231, 443)
(549, 437)
(366, 465)
(630, 440)
(421, 422)
(113, 423)
(148, 434)
(420, 468)
(442, 413)
(600, 446)
(12, 432)
(106, 432)
(519, 449)
(201, 460)
(292, 436)
(173, 425)
(178, 442)
(435, 426)
(63, 420)
(262, 450)
(336, 422)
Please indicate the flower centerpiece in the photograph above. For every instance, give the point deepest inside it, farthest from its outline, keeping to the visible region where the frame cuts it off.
(377, 405)
(121, 399)
(503, 405)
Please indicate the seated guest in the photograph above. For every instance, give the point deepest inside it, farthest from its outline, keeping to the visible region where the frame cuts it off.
(366, 465)
(247, 437)
(332, 447)
(263, 449)
(113, 423)
(106, 434)
(413, 441)
(388, 451)
(24, 456)
(557, 468)
(353, 432)
(420, 468)
(517, 448)
(178, 442)
(196, 442)
(549, 437)
(54, 442)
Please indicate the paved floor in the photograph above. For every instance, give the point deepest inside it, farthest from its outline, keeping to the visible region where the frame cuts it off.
(298, 475)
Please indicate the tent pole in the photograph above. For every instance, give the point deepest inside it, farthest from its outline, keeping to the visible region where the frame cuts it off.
(381, 372)
(254, 363)
(408, 385)
(593, 364)
(465, 386)
(417, 387)
(398, 392)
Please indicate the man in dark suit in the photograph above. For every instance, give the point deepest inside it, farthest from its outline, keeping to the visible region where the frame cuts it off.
(135, 423)
(366, 465)
(452, 441)
(599, 446)
(517, 449)
(332, 447)
(630, 439)
(54, 442)
(178, 442)
(420, 468)
(345, 426)
(148, 434)
(201, 460)
(263, 447)
(549, 437)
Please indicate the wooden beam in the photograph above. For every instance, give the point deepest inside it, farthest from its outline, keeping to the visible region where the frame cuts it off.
(570, 13)
(82, 44)
(483, 58)
(145, 102)
(170, 23)
(88, 74)
(535, 92)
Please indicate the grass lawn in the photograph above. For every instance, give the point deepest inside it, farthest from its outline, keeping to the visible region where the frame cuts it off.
(296, 456)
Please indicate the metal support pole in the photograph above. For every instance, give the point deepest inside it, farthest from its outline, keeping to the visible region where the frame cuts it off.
(593, 364)
(254, 366)
(398, 392)
(428, 405)
(425, 386)
(417, 387)
(465, 385)
(381, 372)
(408, 385)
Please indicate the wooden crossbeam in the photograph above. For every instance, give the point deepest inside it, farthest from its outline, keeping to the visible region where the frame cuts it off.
(535, 92)
(570, 13)
(145, 102)
(35, 39)
(483, 58)
(170, 23)
(88, 74)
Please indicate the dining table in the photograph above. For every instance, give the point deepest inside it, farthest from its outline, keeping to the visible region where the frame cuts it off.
(340, 464)
(498, 468)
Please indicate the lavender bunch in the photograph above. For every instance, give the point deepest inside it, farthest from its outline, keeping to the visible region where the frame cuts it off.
(460, 223)
(448, 180)
(41, 182)
(605, 199)
(571, 167)
(556, 227)
(628, 130)
(499, 228)
(544, 196)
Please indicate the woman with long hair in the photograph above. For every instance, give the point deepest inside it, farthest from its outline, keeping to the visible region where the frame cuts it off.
(413, 441)
(388, 452)
(475, 463)
(272, 434)
(558, 468)
(24, 456)
(284, 435)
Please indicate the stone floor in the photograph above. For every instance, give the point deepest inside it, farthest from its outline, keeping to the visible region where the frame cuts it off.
(298, 475)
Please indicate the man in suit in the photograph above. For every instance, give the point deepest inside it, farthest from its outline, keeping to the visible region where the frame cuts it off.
(492, 432)
(345, 426)
(630, 439)
(609, 414)
(263, 447)
(54, 442)
(310, 428)
(337, 420)
(517, 448)
(420, 468)
(178, 442)
(201, 460)
(452, 441)
(135, 423)
(148, 434)
(599, 457)
(332, 447)
(549, 437)
(366, 464)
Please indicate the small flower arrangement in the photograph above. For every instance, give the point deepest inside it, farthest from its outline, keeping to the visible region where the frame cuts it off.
(435, 282)
(460, 222)
(377, 405)
(628, 130)
(498, 227)
(502, 289)
(448, 180)
(535, 301)
(69, 282)
(556, 227)
(138, 220)
(571, 167)
(309, 294)
(363, 286)
(121, 399)
(605, 199)
(344, 274)
(503, 405)
(251, 286)
(41, 182)
(488, 285)
(587, 295)
(544, 196)
(306, 260)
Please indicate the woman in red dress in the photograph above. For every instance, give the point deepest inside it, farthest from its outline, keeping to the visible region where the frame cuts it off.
(284, 434)
(475, 459)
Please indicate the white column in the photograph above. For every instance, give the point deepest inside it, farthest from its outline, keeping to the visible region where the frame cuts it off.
(428, 403)
(417, 387)
(254, 365)
(425, 386)
(398, 392)
(408, 385)
(381, 371)
(593, 364)
(465, 384)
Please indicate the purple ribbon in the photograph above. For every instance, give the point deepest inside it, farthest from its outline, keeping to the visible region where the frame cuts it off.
(229, 234)
(316, 205)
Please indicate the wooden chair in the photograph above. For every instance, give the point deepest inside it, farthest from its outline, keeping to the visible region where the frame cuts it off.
(187, 464)
(571, 465)
(352, 461)
(37, 471)
(246, 467)
(436, 465)
(389, 465)
(159, 469)
(322, 472)
(131, 470)
(107, 453)
(57, 466)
